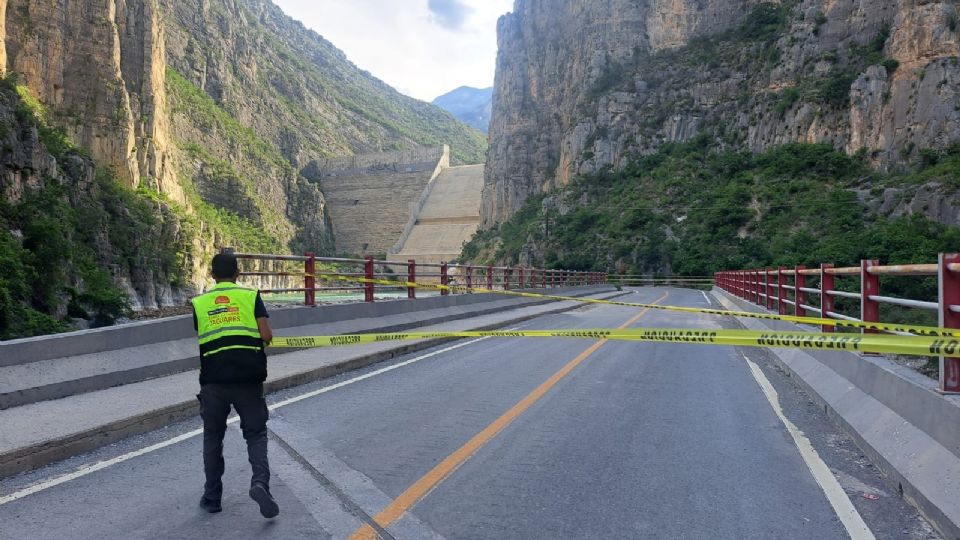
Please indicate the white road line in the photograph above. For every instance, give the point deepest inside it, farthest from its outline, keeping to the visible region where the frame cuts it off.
(705, 297)
(838, 499)
(326, 389)
(100, 465)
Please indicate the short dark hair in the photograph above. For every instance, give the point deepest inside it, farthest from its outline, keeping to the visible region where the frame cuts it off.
(224, 266)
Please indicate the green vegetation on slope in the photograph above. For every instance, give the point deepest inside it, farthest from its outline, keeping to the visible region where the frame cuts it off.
(759, 53)
(249, 222)
(60, 241)
(750, 46)
(690, 210)
(833, 88)
(367, 98)
(315, 95)
(210, 117)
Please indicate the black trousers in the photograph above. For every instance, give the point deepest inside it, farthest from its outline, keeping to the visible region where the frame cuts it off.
(215, 402)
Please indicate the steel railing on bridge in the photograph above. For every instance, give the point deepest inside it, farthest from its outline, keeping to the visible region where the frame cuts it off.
(328, 274)
(792, 291)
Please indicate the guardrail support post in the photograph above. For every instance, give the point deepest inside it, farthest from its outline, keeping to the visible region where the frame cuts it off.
(411, 278)
(769, 287)
(506, 278)
(368, 273)
(543, 279)
(781, 295)
(869, 285)
(761, 287)
(826, 299)
(520, 278)
(470, 278)
(949, 295)
(755, 279)
(310, 280)
(444, 279)
(799, 296)
(489, 278)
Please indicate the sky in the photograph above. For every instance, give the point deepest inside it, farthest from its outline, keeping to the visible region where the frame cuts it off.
(423, 48)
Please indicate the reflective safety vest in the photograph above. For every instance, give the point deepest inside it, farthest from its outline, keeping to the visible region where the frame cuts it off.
(226, 322)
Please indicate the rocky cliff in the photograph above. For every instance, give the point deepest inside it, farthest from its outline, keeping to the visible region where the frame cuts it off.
(585, 84)
(295, 89)
(211, 112)
(99, 69)
(74, 242)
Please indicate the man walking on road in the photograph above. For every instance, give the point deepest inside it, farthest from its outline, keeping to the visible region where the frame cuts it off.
(231, 323)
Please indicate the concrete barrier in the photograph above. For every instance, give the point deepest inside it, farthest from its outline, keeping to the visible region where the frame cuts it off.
(57, 366)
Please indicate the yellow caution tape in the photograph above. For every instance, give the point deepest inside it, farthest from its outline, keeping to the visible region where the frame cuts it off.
(875, 326)
(863, 343)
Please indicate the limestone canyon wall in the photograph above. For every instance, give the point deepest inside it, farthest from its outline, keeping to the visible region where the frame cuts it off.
(583, 84)
(216, 110)
(99, 68)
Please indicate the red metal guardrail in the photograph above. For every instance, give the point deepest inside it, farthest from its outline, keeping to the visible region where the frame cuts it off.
(787, 291)
(488, 277)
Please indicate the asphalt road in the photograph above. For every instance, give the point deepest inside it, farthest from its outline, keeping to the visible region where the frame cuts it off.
(501, 438)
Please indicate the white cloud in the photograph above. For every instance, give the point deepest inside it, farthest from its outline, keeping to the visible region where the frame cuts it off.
(450, 14)
(424, 48)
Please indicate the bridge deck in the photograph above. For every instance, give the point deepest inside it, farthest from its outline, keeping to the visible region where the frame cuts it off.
(570, 439)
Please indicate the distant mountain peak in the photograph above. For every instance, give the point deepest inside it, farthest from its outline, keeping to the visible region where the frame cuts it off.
(469, 105)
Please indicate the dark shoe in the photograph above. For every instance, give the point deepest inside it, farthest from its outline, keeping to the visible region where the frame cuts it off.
(268, 506)
(210, 505)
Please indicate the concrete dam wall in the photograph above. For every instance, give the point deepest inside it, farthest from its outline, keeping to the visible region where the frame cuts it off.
(370, 196)
(449, 216)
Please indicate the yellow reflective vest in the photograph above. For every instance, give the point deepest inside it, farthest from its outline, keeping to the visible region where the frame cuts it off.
(231, 350)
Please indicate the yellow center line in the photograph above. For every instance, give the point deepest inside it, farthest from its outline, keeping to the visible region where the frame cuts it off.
(428, 482)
